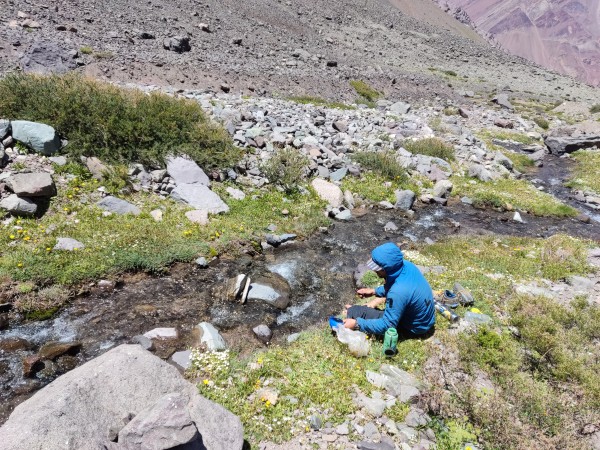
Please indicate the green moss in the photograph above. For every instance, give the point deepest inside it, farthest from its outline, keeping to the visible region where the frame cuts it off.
(367, 94)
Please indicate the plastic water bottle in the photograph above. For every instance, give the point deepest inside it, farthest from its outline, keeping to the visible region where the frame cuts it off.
(477, 318)
(390, 342)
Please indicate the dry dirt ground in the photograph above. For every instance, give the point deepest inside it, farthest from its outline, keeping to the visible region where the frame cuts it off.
(278, 48)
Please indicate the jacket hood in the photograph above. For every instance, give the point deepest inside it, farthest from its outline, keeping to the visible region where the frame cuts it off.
(390, 258)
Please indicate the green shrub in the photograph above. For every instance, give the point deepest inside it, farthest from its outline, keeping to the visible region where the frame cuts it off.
(86, 50)
(431, 147)
(365, 91)
(318, 101)
(541, 122)
(287, 168)
(381, 163)
(117, 125)
(450, 73)
(595, 108)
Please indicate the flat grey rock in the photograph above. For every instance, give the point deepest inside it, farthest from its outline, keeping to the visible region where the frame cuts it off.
(68, 244)
(182, 359)
(4, 128)
(83, 405)
(118, 206)
(46, 57)
(39, 137)
(19, 206)
(405, 199)
(200, 197)
(58, 160)
(39, 184)
(273, 289)
(185, 171)
(162, 333)
(211, 338)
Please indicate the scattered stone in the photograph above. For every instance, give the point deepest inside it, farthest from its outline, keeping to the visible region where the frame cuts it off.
(339, 174)
(46, 57)
(53, 350)
(200, 197)
(37, 136)
(293, 337)
(211, 338)
(32, 184)
(68, 244)
(517, 217)
(201, 262)
(177, 44)
(267, 394)
(342, 429)
(263, 333)
(329, 192)
(58, 160)
(96, 167)
(417, 418)
(185, 171)
(405, 199)
(273, 289)
(236, 194)
(315, 422)
(118, 206)
(277, 239)
(374, 406)
(442, 188)
(199, 216)
(390, 226)
(503, 123)
(19, 206)
(145, 342)
(340, 125)
(162, 333)
(480, 172)
(502, 100)
(157, 215)
(400, 108)
(182, 359)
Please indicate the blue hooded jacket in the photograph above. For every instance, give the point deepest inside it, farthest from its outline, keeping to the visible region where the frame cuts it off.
(409, 299)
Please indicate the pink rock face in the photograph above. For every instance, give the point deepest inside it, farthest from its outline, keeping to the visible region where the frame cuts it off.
(563, 35)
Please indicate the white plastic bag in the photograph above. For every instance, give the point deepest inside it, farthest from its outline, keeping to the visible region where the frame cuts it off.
(356, 340)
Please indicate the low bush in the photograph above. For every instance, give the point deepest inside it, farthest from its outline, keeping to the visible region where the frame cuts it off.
(117, 125)
(595, 108)
(381, 163)
(431, 147)
(318, 101)
(286, 168)
(366, 92)
(541, 122)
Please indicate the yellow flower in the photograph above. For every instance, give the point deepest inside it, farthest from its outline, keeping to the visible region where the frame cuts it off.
(12, 236)
(48, 249)
(20, 265)
(26, 238)
(267, 403)
(18, 221)
(205, 381)
(259, 360)
(19, 231)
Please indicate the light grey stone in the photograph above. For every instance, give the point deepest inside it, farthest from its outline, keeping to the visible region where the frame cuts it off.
(157, 215)
(143, 341)
(400, 108)
(211, 338)
(162, 333)
(123, 381)
(263, 333)
(182, 359)
(4, 128)
(236, 193)
(68, 244)
(581, 283)
(200, 197)
(37, 136)
(344, 215)
(293, 338)
(118, 206)
(58, 160)
(19, 206)
(329, 192)
(268, 294)
(96, 167)
(416, 418)
(480, 172)
(502, 100)
(405, 199)
(339, 174)
(390, 226)
(185, 171)
(442, 188)
(201, 262)
(199, 216)
(38, 184)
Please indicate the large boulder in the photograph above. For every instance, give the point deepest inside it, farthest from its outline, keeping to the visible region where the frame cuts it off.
(118, 206)
(185, 171)
(87, 406)
(272, 289)
(46, 57)
(569, 139)
(32, 184)
(404, 199)
(4, 128)
(329, 192)
(37, 136)
(200, 197)
(19, 206)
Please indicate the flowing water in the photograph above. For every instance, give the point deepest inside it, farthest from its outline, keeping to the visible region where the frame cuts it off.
(319, 270)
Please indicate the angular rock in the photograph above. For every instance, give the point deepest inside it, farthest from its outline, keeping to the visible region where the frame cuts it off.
(96, 167)
(405, 199)
(480, 172)
(19, 206)
(339, 174)
(118, 206)
(157, 215)
(211, 338)
(143, 341)
(273, 289)
(390, 226)
(263, 333)
(32, 184)
(329, 192)
(162, 333)
(46, 57)
(5, 128)
(502, 100)
(199, 216)
(416, 418)
(123, 381)
(236, 193)
(53, 350)
(185, 171)
(182, 359)
(400, 108)
(277, 239)
(68, 244)
(58, 160)
(340, 125)
(37, 136)
(200, 197)
(559, 145)
(177, 44)
(442, 188)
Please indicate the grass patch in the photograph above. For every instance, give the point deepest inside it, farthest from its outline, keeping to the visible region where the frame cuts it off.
(117, 125)
(318, 101)
(489, 135)
(375, 188)
(314, 375)
(119, 243)
(381, 163)
(367, 95)
(450, 73)
(430, 147)
(585, 174)
(541, 122)
(508, 194)
(520, 161)
(86, 50)
(595, 109)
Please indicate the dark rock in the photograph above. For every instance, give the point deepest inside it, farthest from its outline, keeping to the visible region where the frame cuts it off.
(53, 350)
(31, 365)
(272, 289)
(332, 64)
(263, 333)
(559, 145)
(46, 57)
(177, 44)
(65, 363)
(277, 239)
(366, 445)
(142, 340)
(4, 322)
(146, 35)
(118, 206)
(5, 307)
(14, 344)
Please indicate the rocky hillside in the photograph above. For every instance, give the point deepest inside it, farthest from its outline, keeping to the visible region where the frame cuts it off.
(561, 35)
(404, 49)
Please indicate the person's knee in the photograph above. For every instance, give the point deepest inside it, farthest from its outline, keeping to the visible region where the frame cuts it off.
(353, 312)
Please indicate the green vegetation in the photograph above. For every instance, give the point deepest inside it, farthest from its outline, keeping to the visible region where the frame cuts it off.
(86, 50)
(375, 188)
(541, 122)
(430, 147)
(450, 73)
(595, 109)
(286, 168)
(489, 135)
(520, 161)
(318, 101)
(511, 194)
(585, 175)
(381, 163)
(315, 373)
(116, 125)
(451, 111)
(367, 95)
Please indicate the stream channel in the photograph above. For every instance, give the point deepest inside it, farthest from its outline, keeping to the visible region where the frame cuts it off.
(319, 270)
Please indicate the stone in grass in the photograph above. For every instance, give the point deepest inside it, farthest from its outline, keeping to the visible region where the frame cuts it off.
(315, 422)
(200, 197)
(19, 206)
(118, 206)
(38, 136)
(182, 359)
(157, 215)
(32, 184)
(162, 333)
(201, 262)
(185, 171)
(405, 199)
(329, 192)
(199, 216)
(211, 338)
(263, 333)
(366, 445)
(58, 160)
(417, 418)
(68, 244)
